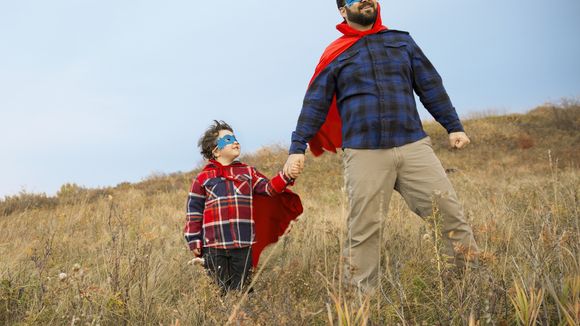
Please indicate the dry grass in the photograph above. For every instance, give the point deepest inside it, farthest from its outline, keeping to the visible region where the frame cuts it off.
(116, 256)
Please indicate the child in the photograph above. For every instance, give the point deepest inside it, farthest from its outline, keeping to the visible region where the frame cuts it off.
(219, 209)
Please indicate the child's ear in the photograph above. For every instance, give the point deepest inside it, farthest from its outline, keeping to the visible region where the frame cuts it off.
(215, 153)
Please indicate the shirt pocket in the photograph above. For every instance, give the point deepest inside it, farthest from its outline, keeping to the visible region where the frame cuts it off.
(348, 56)
(215, 187)
(243, 184)
(354, 76)
(397, 52)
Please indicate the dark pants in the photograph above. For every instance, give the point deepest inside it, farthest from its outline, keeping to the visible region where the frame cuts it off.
(229, 267)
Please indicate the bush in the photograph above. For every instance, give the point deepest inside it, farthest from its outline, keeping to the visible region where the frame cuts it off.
(25, 201)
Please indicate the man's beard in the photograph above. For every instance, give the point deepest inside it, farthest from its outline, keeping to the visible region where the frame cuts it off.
(361, 18)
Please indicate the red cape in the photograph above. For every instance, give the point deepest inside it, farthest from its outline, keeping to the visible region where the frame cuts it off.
(272, 215)
(329, 137)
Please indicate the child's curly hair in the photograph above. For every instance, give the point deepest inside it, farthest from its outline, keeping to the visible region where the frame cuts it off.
(208, 141)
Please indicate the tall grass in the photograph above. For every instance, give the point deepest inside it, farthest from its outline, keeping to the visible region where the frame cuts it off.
(116, 256)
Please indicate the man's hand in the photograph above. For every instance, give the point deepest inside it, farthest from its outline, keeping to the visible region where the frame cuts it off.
(294, 165)
(296, 169)
(197, 252)
(458, 139)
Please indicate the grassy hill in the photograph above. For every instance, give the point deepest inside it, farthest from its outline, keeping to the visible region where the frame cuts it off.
(116, 256)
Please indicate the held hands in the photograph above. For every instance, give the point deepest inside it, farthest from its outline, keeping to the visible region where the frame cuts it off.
(458, 139)
(296, 169)
(294, 165)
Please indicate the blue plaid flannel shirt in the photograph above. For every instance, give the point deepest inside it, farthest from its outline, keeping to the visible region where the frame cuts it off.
(374, 82)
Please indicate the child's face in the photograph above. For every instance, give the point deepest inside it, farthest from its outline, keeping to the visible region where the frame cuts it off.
(230, 151)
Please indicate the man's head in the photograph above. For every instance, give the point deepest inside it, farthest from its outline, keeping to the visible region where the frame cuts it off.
(360, 12)
(219, 141)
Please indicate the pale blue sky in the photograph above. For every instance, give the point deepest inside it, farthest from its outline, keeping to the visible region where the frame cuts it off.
(101, 92)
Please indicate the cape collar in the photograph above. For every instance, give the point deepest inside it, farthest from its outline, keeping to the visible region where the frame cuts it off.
(219, 168)
(218, 164)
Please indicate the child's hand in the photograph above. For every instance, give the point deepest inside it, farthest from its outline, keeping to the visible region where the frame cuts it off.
(196, 261)
(197, 252)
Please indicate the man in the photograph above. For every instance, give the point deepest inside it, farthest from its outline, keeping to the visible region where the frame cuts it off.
(361, 99)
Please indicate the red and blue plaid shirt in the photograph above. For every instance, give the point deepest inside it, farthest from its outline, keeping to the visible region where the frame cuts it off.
(219, 206)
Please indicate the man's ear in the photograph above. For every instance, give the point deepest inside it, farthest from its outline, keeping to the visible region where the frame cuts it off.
(342, 11)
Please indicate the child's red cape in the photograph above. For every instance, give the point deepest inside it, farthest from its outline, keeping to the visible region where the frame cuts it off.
(272, 215)
(329, 137)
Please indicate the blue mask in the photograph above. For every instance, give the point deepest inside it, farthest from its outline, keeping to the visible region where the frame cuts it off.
(351, 2)
(225, 141)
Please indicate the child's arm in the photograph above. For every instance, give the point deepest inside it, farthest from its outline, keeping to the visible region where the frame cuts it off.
(193, 225)
(270, 187)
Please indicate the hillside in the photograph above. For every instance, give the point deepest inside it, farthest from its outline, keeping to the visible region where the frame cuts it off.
(116, 255)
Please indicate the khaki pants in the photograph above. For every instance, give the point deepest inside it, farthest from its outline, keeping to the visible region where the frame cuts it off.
(417, 174)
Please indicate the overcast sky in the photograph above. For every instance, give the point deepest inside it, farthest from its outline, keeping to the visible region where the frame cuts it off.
(101, 92)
